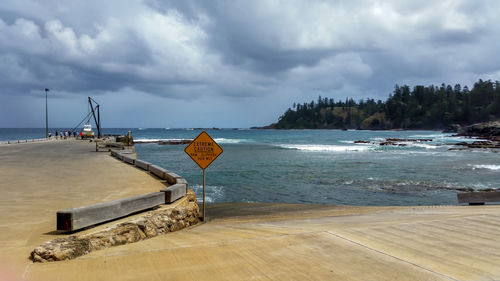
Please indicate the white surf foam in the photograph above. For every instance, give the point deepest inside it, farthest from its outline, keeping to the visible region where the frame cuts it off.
(430, 136)
(147, 140)
(488, 167)
(224, 140)
(155, 140)
(445, 137)
(422, 145)
(213, 193)
(326, 147)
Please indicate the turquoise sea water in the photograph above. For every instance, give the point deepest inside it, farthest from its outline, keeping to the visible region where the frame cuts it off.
(327, 167)
(324, 166)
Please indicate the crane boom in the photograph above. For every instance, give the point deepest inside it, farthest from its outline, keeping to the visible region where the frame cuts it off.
(97, 119)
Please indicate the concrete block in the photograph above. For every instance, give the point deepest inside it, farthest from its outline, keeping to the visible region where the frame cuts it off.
(174, 175)
(170, 177)
(181, 180)
(174, 192)
(114, 153)
(142, 164)
(158, 171)
(77, 218)
(129, 160)
(478, 197)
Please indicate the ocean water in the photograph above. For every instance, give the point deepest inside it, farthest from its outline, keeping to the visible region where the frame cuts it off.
(327, 167)
(323, 166)
(14, 134)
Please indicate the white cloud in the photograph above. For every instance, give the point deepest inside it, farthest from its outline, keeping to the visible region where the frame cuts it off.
(242, 51)
(330, 73)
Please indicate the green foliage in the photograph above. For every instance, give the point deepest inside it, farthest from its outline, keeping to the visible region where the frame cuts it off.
(422, 107)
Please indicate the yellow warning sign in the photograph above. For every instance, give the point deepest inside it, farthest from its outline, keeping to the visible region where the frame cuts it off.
(203, 150)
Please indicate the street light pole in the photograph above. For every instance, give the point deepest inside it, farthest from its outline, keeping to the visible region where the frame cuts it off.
(46, 115)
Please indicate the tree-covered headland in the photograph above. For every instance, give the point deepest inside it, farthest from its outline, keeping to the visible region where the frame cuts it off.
(419, 107)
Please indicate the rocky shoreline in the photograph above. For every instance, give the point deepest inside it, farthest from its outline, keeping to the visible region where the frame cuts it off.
(490, 132)
(393, 141)
(488, 135)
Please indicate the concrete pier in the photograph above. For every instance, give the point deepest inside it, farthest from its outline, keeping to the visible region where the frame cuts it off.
(250, 241)
(38, 179)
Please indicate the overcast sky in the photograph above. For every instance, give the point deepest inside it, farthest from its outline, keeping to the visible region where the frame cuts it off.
(228, 63)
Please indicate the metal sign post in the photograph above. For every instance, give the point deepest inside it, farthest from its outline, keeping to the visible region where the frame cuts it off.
(203, 150)
(203, 194)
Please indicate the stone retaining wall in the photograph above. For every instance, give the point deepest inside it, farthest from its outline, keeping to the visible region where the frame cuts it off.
(183, 213)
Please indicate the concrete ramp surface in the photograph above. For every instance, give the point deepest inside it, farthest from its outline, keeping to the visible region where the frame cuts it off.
(248, 241)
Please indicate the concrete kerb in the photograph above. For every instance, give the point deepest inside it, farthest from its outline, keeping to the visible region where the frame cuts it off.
(478, 197)
(174, 192)
(129, 160)
(142, 164)
(114, 153)
(121, 154)
(158, 171)
(172, 178)
(77, 218)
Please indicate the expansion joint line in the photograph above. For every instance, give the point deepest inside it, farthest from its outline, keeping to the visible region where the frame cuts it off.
(394, 257)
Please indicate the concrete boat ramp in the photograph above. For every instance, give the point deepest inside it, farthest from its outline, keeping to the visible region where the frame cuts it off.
(253, 241)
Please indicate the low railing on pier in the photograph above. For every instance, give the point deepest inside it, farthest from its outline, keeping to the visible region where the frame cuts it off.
(22, 141)
(479, 197)
(81, 217)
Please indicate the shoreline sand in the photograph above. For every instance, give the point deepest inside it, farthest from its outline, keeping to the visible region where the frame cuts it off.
(240, 241)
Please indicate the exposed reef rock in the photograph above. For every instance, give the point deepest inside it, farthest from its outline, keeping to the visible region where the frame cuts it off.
(393, 141)
(489, 130)
(477, 144)
(453, 128)
(157, 222)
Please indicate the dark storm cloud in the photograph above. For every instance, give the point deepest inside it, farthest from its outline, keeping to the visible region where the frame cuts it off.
(419, 41)
(265, 51)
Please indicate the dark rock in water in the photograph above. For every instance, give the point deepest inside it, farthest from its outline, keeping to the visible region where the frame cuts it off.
(489, 131)
(453, 128)
(407, 140)
(478, 144)
(458, 148)
(483, 130)
(393, 141)
(175, 142)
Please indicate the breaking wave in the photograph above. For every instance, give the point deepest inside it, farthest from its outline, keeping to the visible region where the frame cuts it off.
(326, 147)
(224, 140)
(488, 167)
(145, 140)
(213, 193)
